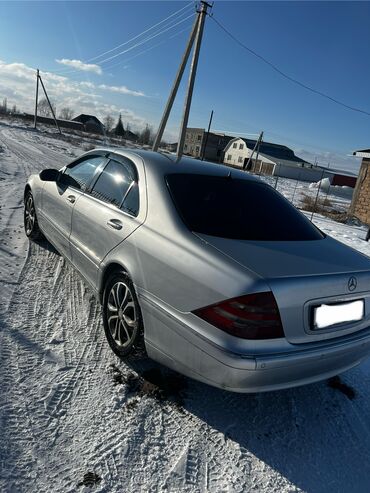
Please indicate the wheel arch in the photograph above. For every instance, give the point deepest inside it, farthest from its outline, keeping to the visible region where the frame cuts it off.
(107, 272)
(27, 189)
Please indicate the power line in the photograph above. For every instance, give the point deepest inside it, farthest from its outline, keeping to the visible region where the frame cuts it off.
(283, 74)
(66, 71)
(141, 42)
(145, 40)
(147, 49)
(138, 35)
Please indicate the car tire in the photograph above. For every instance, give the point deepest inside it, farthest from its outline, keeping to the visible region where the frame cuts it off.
(122, 318)
(31, 226)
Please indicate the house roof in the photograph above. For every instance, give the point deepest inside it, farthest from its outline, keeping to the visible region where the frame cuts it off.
(276, 152)
(83, 118)
(338, 171)
(362, 153)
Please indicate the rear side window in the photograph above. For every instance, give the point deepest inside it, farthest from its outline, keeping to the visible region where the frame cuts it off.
(113, 183)
(238, 209)
(83, 171)
(131, 202)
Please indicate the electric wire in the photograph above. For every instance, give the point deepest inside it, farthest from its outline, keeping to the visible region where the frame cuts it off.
(138, 35)
(286, 76)
(156, 33)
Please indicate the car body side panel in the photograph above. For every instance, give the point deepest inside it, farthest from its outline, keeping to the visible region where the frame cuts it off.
(56, 214)
(91, 240)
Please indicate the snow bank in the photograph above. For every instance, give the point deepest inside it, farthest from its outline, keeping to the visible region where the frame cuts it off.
(325, 186)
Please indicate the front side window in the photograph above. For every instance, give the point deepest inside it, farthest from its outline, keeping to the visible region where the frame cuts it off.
(83, 171)
(240, 159)
(113, 183)
(229, 157)
(235, 145)
(238, 209)
(241, 146)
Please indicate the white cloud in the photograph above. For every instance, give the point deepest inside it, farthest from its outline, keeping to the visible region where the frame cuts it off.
(121, 89)
(79, 65)
(18, 83)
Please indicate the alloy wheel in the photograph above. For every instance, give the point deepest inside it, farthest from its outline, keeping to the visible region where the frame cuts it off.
(122, 314)
(29, 215)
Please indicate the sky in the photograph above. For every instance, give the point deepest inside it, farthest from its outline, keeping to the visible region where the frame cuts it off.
(324, 45)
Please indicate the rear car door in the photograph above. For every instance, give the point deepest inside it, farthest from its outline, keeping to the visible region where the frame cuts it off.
(105, 215)
(60, 197)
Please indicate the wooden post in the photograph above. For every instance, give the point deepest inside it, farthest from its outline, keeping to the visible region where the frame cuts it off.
(193, 70)
(51, 108)
(207, 135)
(37, 98)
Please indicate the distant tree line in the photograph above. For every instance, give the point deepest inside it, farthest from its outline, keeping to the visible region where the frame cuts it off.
(117, 129)
(5, 110)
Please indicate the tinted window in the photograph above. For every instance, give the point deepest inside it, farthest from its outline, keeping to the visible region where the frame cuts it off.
(83, 171)
(113, 183)
(238, 209)
(131, 202)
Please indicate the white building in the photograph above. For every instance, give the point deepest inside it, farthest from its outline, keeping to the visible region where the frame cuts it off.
(273, 159)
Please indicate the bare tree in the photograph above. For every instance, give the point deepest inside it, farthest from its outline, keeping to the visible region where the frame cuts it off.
(14, 109)
(66, 113)
(146, 135)
(4, 106)
(44, 108)
(108, 123)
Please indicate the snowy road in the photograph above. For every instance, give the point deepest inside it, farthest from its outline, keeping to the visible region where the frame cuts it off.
(72, 414)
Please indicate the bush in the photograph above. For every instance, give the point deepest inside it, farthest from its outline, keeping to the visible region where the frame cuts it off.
(322, 206)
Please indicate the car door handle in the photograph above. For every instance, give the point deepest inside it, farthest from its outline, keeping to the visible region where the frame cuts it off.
(114, 223)
(71, 199)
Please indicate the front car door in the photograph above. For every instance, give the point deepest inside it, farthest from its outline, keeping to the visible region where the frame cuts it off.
(106, 214)
(60, 197)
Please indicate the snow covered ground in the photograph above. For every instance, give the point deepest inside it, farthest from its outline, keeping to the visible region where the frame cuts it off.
(75, 418)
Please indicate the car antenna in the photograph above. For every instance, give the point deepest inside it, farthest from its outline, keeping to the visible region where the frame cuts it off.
(229, 174)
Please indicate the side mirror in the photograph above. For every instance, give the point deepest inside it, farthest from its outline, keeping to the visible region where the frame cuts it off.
(49, 175)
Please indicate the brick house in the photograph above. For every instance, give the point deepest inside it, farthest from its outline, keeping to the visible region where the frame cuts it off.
(360, 206)
(196, 143)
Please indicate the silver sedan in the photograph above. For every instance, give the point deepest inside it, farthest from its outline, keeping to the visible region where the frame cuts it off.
(213, 270)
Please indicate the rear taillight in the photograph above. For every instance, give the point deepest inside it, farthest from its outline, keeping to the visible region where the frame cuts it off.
(254, 316)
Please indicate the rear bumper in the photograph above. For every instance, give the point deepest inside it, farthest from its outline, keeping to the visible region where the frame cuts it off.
(180, 350)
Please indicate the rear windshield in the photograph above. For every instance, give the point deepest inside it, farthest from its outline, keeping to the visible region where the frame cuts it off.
(237, 209)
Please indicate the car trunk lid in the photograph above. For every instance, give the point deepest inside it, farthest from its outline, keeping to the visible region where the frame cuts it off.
(303, 275)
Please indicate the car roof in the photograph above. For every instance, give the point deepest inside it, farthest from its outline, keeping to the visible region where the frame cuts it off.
(158, 163)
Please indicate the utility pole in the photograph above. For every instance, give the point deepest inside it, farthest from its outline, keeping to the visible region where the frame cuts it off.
(175, 87)
(195, 37)
(193, 70)
(51, 108)
(37, 97)
(256, 146)
(207, 135)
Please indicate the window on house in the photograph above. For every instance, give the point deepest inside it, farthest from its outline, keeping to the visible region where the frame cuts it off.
(241, 146)
(199, 137)
(235, 145)
(240, 159)
(197, 149)
(229, 157)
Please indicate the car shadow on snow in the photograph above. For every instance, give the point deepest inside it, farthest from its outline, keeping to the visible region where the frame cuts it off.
(310, 435)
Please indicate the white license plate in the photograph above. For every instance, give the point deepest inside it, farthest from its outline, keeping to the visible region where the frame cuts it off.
(327, 315)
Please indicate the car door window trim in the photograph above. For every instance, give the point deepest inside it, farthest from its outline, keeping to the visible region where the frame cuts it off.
(97, 172)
